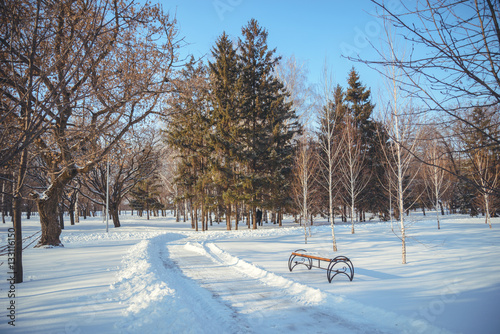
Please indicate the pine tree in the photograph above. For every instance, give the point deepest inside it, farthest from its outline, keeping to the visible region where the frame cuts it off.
(145, 196)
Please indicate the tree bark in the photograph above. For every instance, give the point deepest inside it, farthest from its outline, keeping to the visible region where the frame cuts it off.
(228, 217)
(48, 208)
(49, 220)
(18, 237)
(113, 210)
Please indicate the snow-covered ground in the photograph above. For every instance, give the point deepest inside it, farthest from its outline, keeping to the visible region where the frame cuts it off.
(159, 276)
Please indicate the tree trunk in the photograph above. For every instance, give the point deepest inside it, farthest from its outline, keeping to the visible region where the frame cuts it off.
(71, 216)
(48, 210)
(177, 212)
(352, 215)
(113, 210)
(18, 238)
(437, 213)
(60, 209)
(237, 217)
(196, 219)
(3, 202)
(228, 217)
(254, 218)
(77, 210)
(203, 218)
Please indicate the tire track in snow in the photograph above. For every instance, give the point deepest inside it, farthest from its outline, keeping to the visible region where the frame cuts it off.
(256, 295)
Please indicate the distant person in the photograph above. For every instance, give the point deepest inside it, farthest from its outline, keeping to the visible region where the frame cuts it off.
(259, 217)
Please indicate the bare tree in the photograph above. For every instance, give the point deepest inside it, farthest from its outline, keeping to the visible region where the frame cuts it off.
(304, 177)
(22, 107)
(400, 125)
(329, 143)
(352, 165)
(454, 64)
(435, 176)
(103, 68)
(23, 28)
(131, 161)
(293, 74)
(487, 178)
(482, 163)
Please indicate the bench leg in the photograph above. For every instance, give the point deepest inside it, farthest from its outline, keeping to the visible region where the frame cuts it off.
(301, 260)
(340, 265)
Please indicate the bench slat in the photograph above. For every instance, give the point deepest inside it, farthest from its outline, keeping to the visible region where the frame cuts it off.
(312, 257)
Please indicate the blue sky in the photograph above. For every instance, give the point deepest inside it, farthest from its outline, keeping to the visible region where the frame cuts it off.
(312, 31)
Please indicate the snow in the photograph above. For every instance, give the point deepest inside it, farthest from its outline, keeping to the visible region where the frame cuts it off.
(159, 276)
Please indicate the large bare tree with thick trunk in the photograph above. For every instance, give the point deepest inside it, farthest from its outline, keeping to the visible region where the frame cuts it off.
(103, 68)
(131, 161)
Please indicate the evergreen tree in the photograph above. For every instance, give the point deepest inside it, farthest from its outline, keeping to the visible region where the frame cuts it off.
(358, 99)
(145, 196)
(188, 130)
(268, 122)
(225, 122)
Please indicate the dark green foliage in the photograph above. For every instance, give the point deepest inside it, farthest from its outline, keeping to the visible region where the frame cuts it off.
(232, 126)
(146, 196)
(269, 123)
(357, 98)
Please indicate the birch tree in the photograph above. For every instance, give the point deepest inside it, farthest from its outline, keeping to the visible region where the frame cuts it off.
(455, 60)
(435, 175)
(304, 177)
(401, 125)
(352, 165)
(329, 142)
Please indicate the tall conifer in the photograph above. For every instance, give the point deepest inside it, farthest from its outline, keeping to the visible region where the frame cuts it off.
(225, 121)
(269, 123)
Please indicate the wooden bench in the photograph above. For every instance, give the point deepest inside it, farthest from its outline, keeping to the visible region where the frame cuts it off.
(333, 267)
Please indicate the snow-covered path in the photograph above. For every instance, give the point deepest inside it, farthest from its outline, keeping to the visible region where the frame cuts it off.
(263, 307)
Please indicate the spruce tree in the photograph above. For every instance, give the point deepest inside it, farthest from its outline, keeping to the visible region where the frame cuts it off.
(188, 129)
(225, 122)
(268, 122)
(358, 99)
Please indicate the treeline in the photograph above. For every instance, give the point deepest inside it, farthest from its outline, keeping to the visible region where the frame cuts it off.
(238, 147)
(83, 84)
